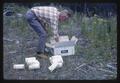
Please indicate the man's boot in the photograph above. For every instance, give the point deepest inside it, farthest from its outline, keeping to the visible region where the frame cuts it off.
(42, 55)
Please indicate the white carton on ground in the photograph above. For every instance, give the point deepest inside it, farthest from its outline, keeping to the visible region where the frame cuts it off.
(55, 59)
(32, 63)
(52, 67)
(18, 66)
(34, 66)
(64, 47)
(56, 62)
(60, 65)
(30, 60)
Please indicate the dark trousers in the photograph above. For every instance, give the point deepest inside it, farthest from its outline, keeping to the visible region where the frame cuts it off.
(37, 26)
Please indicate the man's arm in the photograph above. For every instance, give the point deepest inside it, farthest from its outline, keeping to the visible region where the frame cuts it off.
(54, 26)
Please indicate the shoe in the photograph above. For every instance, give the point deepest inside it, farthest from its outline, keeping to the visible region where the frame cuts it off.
(42, 56)
(47, 51)
(39, 52)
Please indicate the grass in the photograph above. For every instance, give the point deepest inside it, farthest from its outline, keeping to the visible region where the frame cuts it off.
(101, 32)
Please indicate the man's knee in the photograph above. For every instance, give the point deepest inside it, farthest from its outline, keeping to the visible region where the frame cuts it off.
(44, 34)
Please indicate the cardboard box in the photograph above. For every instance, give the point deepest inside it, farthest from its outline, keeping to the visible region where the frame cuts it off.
(64, 47)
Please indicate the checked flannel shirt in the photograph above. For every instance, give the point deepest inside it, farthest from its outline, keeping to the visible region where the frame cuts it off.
(48, 14)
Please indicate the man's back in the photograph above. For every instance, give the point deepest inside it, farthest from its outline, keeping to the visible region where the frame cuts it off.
(46, 11)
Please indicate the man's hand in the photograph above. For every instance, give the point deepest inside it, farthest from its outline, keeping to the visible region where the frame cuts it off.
(57, 39)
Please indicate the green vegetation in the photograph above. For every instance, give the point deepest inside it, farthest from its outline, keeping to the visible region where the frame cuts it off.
(101, 32)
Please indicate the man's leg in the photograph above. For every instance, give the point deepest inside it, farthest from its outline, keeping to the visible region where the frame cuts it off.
(35, 24)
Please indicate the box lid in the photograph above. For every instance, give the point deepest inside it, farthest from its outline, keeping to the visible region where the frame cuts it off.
(64, 43)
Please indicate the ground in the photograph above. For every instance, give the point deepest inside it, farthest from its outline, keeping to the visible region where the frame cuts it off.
(75, 67)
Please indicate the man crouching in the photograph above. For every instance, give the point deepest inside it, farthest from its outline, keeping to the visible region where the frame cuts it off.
(49, 15)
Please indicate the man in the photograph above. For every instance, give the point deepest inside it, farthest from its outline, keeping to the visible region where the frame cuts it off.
(49, 15)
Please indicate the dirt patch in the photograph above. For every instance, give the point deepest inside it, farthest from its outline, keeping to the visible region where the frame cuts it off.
(75, 67)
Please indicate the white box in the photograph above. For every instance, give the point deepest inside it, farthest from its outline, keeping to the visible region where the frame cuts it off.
(31, 60)
(56, 58)
(18, 66)
(64, 47)
(34, 66)
(32, 63)
(64, 51)
(56, 62)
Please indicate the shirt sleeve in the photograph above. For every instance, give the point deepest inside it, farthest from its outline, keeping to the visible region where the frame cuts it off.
(54, 26)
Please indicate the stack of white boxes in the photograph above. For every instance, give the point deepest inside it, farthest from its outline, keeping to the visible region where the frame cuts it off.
(32, 63)
(56, 62)
(64, 47)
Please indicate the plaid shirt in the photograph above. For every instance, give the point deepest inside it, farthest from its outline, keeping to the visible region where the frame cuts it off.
(49, 15)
